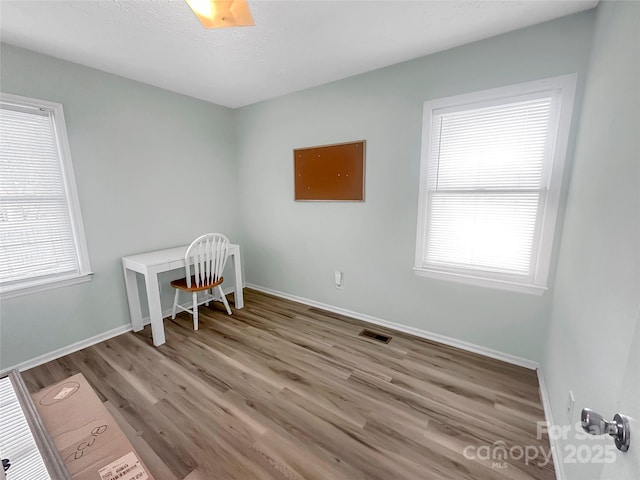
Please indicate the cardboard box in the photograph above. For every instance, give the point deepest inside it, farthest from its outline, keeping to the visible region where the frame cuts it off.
(89, 440)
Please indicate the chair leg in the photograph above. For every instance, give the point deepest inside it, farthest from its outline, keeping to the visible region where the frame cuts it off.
(206, 292)
(224, 299)
(175, 304)
(195, 310)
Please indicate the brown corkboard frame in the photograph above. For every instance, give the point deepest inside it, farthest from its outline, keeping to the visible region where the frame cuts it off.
(330, 172)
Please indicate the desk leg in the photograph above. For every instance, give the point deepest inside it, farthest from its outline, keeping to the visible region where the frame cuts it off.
(238, 294)
(133, 297)
(155, 308)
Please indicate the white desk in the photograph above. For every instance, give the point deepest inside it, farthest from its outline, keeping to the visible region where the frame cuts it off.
(150, 265)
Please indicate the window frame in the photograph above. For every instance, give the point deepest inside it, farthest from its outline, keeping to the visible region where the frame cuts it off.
(563, 88)
(83, 273)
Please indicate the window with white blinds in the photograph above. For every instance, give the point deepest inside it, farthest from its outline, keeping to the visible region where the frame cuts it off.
(16, 440)
(490, 178)
(41, 238)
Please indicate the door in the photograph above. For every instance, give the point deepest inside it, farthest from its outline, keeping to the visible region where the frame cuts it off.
(627, 464)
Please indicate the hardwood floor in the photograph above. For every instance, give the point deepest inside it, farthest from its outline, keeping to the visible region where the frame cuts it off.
(280, 390)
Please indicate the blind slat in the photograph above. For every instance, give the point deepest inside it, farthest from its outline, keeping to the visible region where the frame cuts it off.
(491, 147)
(36, 235)
(485, 185)
(16, 440)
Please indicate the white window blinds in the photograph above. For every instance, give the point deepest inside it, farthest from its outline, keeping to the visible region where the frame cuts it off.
(490, 179)
(38, 238)
(16, 440)
(486, 186)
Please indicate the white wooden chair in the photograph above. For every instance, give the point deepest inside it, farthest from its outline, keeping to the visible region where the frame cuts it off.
(204, 263)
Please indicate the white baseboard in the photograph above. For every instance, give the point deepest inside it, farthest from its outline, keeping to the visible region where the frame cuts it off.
(506, 357)
(488, 352)
(168, 311)
(436, 337)
(74, 347)
(556, 452)
(165, 313)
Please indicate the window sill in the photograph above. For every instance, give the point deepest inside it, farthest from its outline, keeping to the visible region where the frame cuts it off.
(497, 284)
(34, 286)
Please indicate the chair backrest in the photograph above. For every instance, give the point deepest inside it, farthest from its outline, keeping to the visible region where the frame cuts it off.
(205, 259)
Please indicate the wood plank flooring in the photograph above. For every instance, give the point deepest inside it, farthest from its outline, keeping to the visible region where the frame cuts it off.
(280, 390)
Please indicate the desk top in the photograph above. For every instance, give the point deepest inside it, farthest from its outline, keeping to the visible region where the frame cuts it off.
(160, 257)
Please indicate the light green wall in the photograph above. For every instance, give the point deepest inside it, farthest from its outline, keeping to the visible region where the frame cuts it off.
(294, 247)
(143, 158)
(597, 293)
(137, 149)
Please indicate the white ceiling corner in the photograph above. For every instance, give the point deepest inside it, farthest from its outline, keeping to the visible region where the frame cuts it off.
(296, 44)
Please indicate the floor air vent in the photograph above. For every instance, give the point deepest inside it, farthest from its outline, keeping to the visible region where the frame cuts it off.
(375, 336)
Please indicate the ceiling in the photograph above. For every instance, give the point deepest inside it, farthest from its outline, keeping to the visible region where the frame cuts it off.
(296, 44)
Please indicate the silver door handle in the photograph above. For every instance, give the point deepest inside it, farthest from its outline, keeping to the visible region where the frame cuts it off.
(618, 428)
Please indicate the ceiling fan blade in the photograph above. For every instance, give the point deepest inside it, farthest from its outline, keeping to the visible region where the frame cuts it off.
(222, 13)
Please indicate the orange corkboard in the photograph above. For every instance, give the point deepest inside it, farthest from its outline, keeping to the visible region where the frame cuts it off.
(330, 172)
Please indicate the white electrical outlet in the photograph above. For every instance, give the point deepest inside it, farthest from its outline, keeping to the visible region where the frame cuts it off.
(571, 401)
(337, 277)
